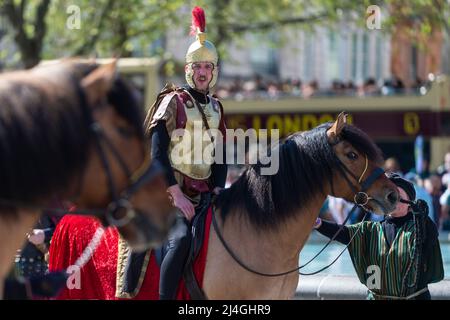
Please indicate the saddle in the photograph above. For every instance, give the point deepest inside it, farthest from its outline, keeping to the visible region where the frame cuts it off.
(136, 261)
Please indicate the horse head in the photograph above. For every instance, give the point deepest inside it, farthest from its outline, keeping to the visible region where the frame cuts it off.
(119, 174)
(358, 176)
(75, 130)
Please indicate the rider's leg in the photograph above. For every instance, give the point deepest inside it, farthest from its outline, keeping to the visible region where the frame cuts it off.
(173, 263)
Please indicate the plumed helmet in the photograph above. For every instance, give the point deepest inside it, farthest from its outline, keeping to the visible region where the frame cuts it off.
(201, 50)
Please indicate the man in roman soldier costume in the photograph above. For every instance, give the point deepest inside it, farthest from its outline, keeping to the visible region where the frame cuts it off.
(192, 109)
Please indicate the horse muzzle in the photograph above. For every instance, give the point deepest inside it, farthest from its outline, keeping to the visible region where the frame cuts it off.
(384, 205)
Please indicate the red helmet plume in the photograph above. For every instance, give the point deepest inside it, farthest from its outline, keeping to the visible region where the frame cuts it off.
(198, 20)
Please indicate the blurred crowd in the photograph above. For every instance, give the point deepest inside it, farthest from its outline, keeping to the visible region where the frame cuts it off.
(261, 88)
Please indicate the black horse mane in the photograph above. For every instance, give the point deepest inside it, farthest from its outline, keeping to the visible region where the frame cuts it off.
(45, 131)
(306, 161)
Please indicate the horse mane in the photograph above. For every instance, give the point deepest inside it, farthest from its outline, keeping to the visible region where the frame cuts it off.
(306, 163)
(45, 131)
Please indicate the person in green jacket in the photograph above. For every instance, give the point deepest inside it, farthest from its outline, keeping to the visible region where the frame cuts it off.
(398, 257)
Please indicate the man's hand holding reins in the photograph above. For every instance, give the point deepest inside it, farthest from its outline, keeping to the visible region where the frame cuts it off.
(181, 202)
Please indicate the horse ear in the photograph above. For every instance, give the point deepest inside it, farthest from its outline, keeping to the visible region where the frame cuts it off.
(99, 82)
(334, 132)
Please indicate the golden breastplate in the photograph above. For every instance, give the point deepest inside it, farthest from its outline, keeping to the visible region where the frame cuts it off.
(191, 151)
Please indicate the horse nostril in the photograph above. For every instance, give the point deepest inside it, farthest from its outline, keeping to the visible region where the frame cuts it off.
(392, 197)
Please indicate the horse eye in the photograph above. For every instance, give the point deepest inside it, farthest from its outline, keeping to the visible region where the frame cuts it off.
(125, 132)
(352, 156)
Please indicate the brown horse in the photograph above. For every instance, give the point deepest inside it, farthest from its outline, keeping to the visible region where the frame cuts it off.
(266, 219)
(74, 130)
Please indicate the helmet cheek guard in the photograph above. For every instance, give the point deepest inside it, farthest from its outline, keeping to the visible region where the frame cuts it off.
(189, 75)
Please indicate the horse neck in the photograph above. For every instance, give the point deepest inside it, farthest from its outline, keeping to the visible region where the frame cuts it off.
(270, 251)
(12, 232)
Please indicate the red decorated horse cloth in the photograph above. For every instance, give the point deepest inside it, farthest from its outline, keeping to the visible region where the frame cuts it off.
(97, 278)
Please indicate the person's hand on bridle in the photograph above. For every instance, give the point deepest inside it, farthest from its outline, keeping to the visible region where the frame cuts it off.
(36, 236)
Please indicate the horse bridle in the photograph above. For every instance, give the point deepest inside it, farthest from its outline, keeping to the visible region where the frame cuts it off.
(361, 198)
(145, 173)
(141, 176)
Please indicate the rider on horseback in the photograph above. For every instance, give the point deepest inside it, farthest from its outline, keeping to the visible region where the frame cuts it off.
(188, 108)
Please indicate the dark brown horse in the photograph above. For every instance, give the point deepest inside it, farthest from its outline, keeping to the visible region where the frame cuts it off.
(74, 130)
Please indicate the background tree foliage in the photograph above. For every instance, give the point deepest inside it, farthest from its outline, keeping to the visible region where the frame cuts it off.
(115, 27)
(108, 27)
